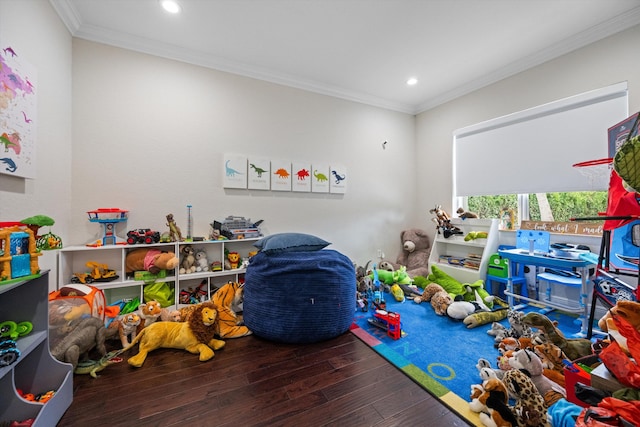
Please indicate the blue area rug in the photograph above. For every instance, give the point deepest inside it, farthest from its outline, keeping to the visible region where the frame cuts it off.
(440, 353)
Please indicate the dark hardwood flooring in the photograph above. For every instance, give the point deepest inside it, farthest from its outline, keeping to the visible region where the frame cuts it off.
(254, 382)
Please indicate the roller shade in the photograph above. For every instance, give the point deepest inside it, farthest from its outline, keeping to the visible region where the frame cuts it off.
(532, 151)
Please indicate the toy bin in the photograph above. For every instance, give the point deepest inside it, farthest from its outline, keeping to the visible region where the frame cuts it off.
(574, 374)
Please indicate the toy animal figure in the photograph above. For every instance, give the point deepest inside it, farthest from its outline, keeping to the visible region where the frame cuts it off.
(229, 300)
(465, 214)
(196, 335)
(443, 222)
(439, 298)
(529, 363)
(529, 410)
(202, 263)
(92, 367)
(491, 401)
(551, 357)
(174, 230)
(574, 348)
(234, 259)
(149, 312)
(517, 327)
(124, 327)
(89, 332)
(188, 263)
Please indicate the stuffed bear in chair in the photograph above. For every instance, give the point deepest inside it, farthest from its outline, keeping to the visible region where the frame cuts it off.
(415, 252)
(151, 260)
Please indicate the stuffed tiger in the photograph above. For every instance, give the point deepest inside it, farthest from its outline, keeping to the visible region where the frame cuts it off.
(123, 328)
(228, 299)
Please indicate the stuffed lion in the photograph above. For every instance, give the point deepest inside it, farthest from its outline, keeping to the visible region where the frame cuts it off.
(195, 336)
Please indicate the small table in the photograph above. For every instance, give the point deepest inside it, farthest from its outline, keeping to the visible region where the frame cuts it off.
(540, 259)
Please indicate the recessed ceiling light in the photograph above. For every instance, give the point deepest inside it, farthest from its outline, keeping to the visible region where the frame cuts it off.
(170, 6)
(412, 81)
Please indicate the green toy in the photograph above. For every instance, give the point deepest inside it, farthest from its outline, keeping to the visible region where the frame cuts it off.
(392, 277)
(421, 282)
(457, 289)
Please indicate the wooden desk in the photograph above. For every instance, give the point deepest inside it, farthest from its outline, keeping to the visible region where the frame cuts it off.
(538, 259)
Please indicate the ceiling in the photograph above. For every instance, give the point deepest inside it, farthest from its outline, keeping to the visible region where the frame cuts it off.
(360, 50)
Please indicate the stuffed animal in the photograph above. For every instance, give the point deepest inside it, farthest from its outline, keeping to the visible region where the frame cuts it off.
(85, 334)
(630, 311)
(491, 401)
(415, 252)
(529, 409)
(168, 315)
(390, 277)
(551, 356)
(234, 260)
(483, 317)
(195, 336)
(439, 298)
(466, 214)
(527, 361)
(149, 312)
(202, 263)
(187, 260)
(574, 348)
(517, 327)
(461, 291)
(151, 260)
(124, 328)
(229, 300)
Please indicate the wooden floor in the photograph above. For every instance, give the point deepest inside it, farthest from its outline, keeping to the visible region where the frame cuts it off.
(253, 382)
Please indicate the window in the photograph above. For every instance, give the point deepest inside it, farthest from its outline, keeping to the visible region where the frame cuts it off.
(532, 154)
(562, 206)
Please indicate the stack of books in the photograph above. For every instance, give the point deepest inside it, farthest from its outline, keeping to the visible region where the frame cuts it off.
(472, 261)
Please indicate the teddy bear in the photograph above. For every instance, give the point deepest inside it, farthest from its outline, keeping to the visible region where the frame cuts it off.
(202, 263)
(415, 252)
(151, 260)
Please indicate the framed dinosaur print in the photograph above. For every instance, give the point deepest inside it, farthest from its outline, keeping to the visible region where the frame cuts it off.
(320, 178)
(259, 173)
(301, 180)
(280, 175)
(338, 179)
(235, 171)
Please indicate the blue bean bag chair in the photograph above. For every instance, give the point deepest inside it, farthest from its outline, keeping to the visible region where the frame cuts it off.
(299, 296)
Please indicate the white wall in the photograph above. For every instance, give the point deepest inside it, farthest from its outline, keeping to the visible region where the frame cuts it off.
(34, 29)
(598, 65)
(150, 135)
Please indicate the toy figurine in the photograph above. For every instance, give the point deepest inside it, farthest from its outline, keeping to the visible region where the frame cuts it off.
(174, 230)
(234, 259)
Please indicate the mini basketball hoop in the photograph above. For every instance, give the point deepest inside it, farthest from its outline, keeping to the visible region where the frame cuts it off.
(597, 171)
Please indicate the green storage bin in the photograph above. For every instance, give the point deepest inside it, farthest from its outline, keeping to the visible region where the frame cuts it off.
(498, 266)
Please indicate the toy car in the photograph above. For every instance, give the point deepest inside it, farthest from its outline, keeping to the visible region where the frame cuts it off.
(8, 351)
(143, 235)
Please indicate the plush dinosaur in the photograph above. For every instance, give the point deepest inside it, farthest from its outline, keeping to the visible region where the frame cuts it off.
(465, 291)
(88, 333)
(574, 348)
